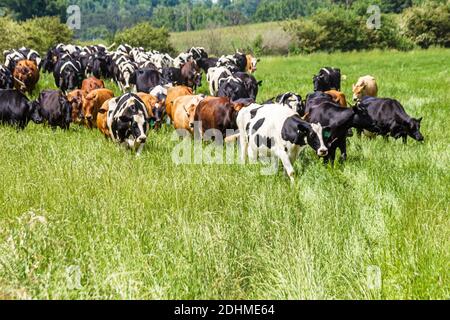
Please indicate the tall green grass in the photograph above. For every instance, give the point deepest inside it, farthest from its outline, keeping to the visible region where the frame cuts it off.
(73, 203)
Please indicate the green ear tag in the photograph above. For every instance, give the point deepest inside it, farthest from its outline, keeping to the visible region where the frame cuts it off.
(327, 134)
(152, 123)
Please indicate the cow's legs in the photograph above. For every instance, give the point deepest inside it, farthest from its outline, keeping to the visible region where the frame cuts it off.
(243, 143)
(343, 147)
(139, 150)
(286, 163)
(405, 139)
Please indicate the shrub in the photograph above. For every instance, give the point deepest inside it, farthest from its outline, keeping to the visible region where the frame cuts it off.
(428, 24)
(39, 33)
(144, 35)
(307, 36)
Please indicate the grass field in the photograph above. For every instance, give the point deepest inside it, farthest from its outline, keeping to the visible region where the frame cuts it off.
(76, 206)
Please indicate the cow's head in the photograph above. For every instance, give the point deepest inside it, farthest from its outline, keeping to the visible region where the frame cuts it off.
(362, 119)
(24, 72)
(251, 63)
(358, 91)
(293, 101)
(414, 129)
(72, 76)
(133, 123)
(75, 99)
(66, 110)
(34, 112)
(90, 101)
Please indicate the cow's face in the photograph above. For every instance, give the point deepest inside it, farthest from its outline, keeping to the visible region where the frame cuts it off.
(414, 129)
(363, 120)
(75, 99)
(134, 125)
(34, 112)
(66, 109)
(88, 106)
(358, 92)
(315, 139)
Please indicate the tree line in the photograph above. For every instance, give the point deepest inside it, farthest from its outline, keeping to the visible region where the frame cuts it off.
(102, 19)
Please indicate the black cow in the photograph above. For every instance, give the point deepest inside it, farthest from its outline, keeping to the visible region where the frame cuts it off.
(327, 79)
(171, 75)
(68, 73)
(233, 88)
(391, 119)
(206, 63)
(314, 99)
(54, 108)
(250, 84)
(146, 79)
(17, 110)
(97, 65)
(338, 121)
(6, 78)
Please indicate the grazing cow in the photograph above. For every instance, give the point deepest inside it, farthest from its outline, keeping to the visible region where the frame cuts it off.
(327, 79)
(366, 86)
(91, 84)
(6, 78)
(338, 97)
(172, 94)
(183, 108)
(191, 75)
(92, 104)
(276, 130)
(218, 113)
(127, 121)
(155, 108)
(339, 120)
(391, 119)
(146, 79)
(26, 75)
(76, 99)
(17, 110)
(68, 73)
(291, 100)
(55, 109)
(215, 76)
(171, 75)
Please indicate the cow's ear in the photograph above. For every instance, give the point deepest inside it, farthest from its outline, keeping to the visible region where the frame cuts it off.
(259, 83)
(420, 119)
(326, 132)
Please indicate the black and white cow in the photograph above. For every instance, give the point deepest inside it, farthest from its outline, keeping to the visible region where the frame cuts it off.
(128, 121)
(182, 59)
(250, 83)
(233, 88)
(6, 78)
(391, 119)
(54, 108)
(339, 121)
(125, 72)
(13, 56)
(327, 79)
(198, 53)
(146, 79)
(291, 100)
(276, 130)
(17, 110)
(68, 73)
(215, 76)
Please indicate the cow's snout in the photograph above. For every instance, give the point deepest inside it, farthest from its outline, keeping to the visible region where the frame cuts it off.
(142, 139)
(322, 152)
(89, 117)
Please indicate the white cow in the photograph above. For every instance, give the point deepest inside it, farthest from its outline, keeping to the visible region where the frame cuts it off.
(276, 130)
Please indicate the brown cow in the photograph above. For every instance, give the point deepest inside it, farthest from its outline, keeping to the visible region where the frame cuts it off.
(92, 104)
(76, 99)
(217, 113)
(191, 75)
(251, 63)
(184, 109)
(172, 94)
(154, 106)
(92, 83)
(102, 118)
(26, 75)
(338, 97)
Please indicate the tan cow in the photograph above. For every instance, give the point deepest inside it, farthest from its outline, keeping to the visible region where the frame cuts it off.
(92, 83)
(154, 106)
(184, 109)
(251, 63)
(26, 76)
(102, 118)
(92, 104)
(366, 86)
(338, 97)
(172, 94)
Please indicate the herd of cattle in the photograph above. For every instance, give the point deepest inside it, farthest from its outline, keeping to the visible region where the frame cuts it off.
(157, 87)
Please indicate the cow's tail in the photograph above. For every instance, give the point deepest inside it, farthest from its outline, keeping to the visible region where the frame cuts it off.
(232, 138)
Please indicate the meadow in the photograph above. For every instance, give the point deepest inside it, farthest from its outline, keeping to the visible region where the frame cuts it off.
(82, 218)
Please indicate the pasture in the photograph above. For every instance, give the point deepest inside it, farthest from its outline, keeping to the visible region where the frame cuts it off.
(74, 206)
